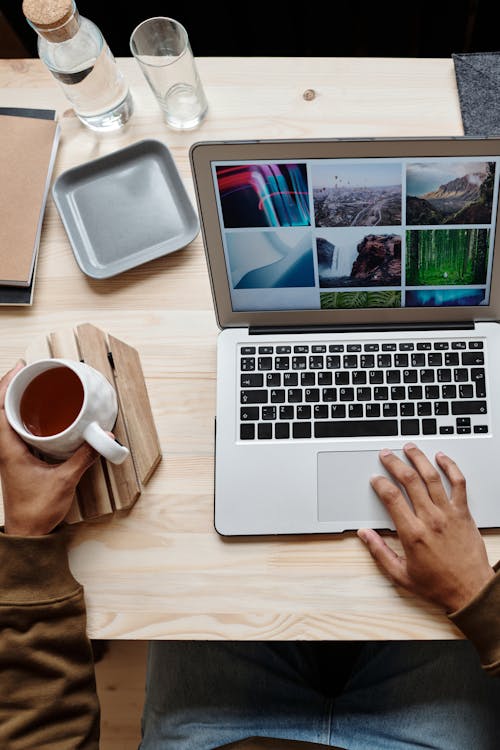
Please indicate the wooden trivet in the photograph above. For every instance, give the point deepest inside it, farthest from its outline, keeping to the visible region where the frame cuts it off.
(106, 488)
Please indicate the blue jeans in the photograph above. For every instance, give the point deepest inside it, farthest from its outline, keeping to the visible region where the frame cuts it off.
(371, 696)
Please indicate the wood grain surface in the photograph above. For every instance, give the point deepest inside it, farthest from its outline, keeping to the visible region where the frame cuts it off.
(162, 571)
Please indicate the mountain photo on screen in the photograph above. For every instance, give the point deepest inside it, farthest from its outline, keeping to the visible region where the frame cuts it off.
(456, 192)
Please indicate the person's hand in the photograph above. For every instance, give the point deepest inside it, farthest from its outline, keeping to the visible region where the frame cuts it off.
(445, 557)
(36, 495)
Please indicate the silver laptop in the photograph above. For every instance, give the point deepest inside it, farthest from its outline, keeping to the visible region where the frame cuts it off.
(356, 284)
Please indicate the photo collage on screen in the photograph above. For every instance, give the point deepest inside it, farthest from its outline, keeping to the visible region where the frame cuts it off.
(330, 234)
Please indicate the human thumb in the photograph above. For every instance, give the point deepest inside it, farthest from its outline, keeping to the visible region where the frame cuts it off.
(80, 461)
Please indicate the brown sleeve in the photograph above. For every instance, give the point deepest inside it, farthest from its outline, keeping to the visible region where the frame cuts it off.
(480, 622)
(48, 694)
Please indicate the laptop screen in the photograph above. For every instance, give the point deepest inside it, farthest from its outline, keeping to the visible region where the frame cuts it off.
(351, 231)
(358, 233)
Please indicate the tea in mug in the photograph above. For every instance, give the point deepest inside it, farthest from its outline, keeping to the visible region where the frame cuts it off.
(51, 401)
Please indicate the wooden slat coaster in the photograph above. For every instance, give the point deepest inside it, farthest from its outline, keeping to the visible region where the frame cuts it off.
(107, 488)
(124, 484)
(138, 416)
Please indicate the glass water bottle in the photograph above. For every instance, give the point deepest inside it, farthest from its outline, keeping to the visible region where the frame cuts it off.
(76, 53)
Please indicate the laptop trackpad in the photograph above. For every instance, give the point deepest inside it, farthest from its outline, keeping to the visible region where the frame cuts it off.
(345, 495)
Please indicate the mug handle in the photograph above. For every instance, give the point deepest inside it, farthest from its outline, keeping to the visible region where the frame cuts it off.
(104, 444)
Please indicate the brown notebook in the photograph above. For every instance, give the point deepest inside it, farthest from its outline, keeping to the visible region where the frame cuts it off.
(28, 146)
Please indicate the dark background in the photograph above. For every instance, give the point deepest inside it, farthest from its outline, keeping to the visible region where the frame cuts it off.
(332, 28)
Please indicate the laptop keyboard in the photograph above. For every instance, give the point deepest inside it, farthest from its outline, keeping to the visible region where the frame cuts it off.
(350, 390)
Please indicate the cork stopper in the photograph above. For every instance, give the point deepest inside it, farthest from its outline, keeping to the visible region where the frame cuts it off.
(56, 20)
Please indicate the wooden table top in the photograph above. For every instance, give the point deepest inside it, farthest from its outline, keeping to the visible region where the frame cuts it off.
(163, 571)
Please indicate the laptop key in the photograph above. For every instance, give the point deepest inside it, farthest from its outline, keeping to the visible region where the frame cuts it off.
(338, 411)
(372, 410)
(264, 431)
(303, 411)
(321, 411)
(429, 426)
(480, 389)
(407, 409)
(447, 429)
(325, 378)
(393, 376)
(441, 408)
(254, 397)
(265, 363)
(451, 359)
(273, 379)
(465, 391)
(278, 396)
(299, 363)
(449, 391)
(282, 363)
(410, 427)
(460, 375)
(468, 407)
(301, 429)
(252, 380)
(311, 395)
(358, 377)
(341, 378)
(346, 394)
(248, 413)
(268, 412)
(333, 362)
(472, 358)
(281, 430)
(356, 428)
(307, 378)
(247, 431)
(400, 360)
(247, 363)
(424, 409)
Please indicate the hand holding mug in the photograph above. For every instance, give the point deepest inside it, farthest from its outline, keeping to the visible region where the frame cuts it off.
(36, 495)
(57, 404)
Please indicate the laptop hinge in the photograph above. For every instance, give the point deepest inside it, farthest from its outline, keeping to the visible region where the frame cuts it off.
(465, 325)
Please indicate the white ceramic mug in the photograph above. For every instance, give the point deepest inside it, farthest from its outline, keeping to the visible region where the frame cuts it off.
(96, 416)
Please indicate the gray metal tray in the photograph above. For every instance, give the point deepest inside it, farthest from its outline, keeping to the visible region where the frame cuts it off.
(124, 209)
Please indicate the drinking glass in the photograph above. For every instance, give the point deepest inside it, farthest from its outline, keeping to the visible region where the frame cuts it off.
(161, 47)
